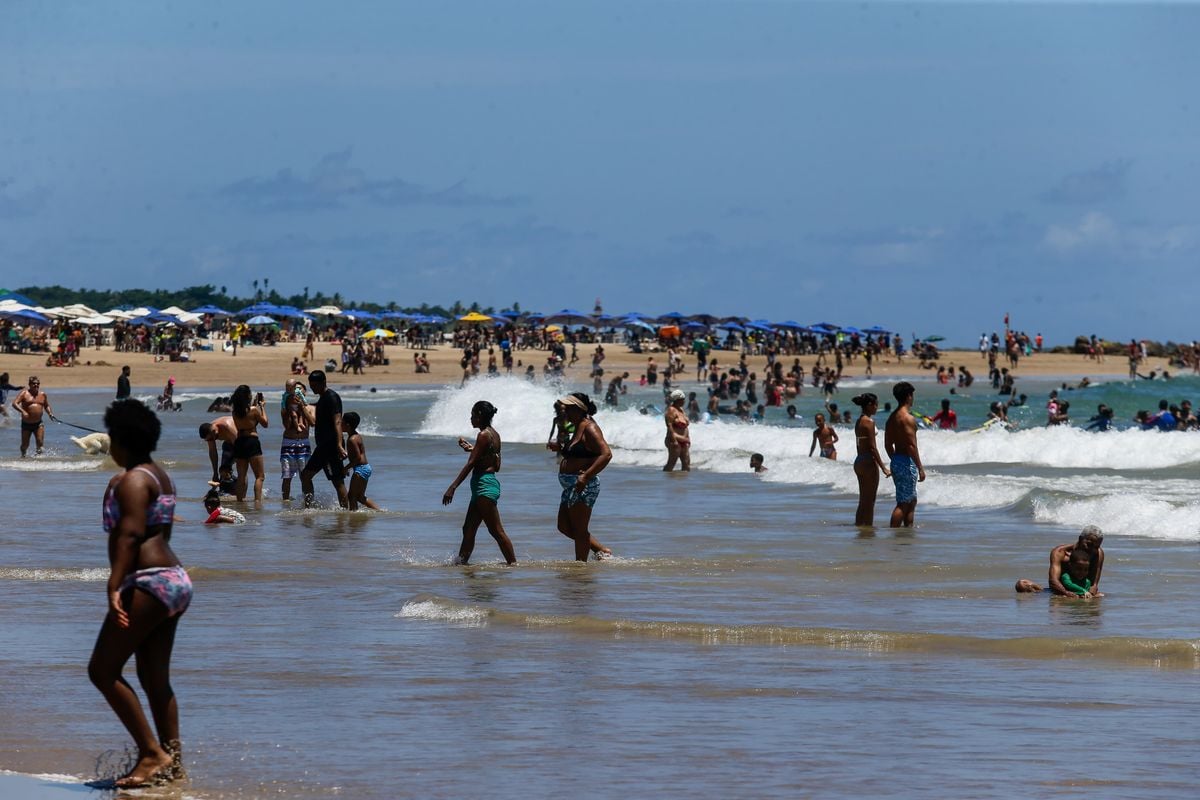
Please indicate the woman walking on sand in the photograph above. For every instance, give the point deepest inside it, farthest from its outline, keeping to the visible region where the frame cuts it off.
(678, 441)
(483, 462)
(584, 457)
(148, 591)
(868, 462)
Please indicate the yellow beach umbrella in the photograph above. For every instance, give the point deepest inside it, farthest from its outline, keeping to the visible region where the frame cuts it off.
(475, 316)
(377, 333)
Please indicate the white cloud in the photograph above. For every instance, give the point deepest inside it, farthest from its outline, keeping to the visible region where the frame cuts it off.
(1095, 229)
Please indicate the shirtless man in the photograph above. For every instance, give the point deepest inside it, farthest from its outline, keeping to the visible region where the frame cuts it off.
(1074, 568)
(900, 442)
(224, 430)
(297, 417)
(31, 404)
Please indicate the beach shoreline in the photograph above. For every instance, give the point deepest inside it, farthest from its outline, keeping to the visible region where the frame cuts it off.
(261, 367)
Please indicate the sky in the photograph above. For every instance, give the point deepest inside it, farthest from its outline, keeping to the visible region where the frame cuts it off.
(925, 167)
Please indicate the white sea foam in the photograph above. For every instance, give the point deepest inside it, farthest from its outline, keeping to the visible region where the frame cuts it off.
(46, 464)
(440, 611)
(1143, 505)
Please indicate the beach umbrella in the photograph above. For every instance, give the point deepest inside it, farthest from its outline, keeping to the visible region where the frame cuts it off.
(95, 319)
(935, 338)
(324, 311)
(261, 319)
(636, 323)
(378, 333)
(876, 329)
(359, 313)
(851, 329)
(258, 309)
(760, 325)
(568, 316)
(707, 319)
(731, 326)
(672, 318)
(825, 327)
(474, 316)
(211, 309)
(396, 315)
(693, 326)
(7, 294)
(24, 315)
(791, 325)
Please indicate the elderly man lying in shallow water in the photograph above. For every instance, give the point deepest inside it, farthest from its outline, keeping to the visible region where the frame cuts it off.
(1074, 568)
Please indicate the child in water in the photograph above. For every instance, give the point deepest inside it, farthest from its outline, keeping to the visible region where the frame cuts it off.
(756, 464)
(218, 515)
(360, 470)
(826, 436)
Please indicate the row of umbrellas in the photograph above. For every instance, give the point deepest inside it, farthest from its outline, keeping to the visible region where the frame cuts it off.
(19, 308)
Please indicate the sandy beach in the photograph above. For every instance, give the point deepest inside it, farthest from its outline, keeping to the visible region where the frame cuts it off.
(268, 366)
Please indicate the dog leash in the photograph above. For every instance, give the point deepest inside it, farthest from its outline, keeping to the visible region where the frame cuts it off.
(73, 425)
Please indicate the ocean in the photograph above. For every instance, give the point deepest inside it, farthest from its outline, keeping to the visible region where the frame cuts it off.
(746, 640)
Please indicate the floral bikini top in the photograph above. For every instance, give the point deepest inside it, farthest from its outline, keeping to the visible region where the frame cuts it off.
(160, 512)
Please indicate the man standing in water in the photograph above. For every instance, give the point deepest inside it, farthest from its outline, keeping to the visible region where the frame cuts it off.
(123, 387)
(900, 442)
(297, 418)
(224, 430)
(31, 404)
(330, 453)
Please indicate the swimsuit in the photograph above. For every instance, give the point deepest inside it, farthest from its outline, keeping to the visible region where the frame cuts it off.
(246, 447)
(170, 585)
(570, 497)
(828, 452)
(904, 473)
(326, 458)
(363, 471)
(293, 455)
(863, 457)
(485, 485)
(31, 427)
(238, 517)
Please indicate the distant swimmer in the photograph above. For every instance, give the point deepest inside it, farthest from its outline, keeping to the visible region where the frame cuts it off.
(32, 403)
(900, 442)
(756, 464)
(1074, 568)
(946, 419)
(483, 462)
(1102, 421)
(825, 436)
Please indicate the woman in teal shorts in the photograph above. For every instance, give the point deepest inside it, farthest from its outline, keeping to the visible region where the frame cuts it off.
(483, 462)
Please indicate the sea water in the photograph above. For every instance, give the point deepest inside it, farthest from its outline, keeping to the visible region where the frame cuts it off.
(746, 640)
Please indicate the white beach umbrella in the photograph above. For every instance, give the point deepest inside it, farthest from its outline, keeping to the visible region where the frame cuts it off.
(95, 319)
(328, 311)
(117, 313)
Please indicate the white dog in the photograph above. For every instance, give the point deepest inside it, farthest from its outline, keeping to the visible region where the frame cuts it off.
(94, 444)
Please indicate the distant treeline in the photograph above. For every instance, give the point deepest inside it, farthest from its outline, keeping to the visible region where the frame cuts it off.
(196, 296)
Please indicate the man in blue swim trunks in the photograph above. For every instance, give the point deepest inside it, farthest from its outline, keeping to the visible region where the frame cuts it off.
(900, 442)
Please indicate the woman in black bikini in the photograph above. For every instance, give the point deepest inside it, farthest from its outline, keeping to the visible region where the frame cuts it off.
(867, 463)
(247, 449)
(584, 457)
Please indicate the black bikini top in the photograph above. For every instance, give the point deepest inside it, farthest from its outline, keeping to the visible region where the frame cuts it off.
(579, 449)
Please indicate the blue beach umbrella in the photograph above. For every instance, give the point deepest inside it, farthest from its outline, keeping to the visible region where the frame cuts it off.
(257, 309)
(261, 319)
(359, 313)
(825, 327)
(569, 316)
(850, 329)
(672, 318)
(25, 315)
(876, 329)
(211, 309)
(760, 325)
(707, 319)
(731, 326)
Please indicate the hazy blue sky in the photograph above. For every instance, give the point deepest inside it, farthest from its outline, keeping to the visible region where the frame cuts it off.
(923, 166)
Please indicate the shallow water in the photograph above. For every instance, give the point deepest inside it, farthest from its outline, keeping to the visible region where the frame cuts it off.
(746, 640)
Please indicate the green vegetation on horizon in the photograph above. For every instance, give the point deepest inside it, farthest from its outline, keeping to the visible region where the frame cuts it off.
(196, 296)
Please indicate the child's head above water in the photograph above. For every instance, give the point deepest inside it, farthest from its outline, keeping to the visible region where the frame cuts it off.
(212, 500)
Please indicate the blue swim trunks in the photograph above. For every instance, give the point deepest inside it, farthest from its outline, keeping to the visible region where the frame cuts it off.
(904, 473)
(570, 497)
(363, 471)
